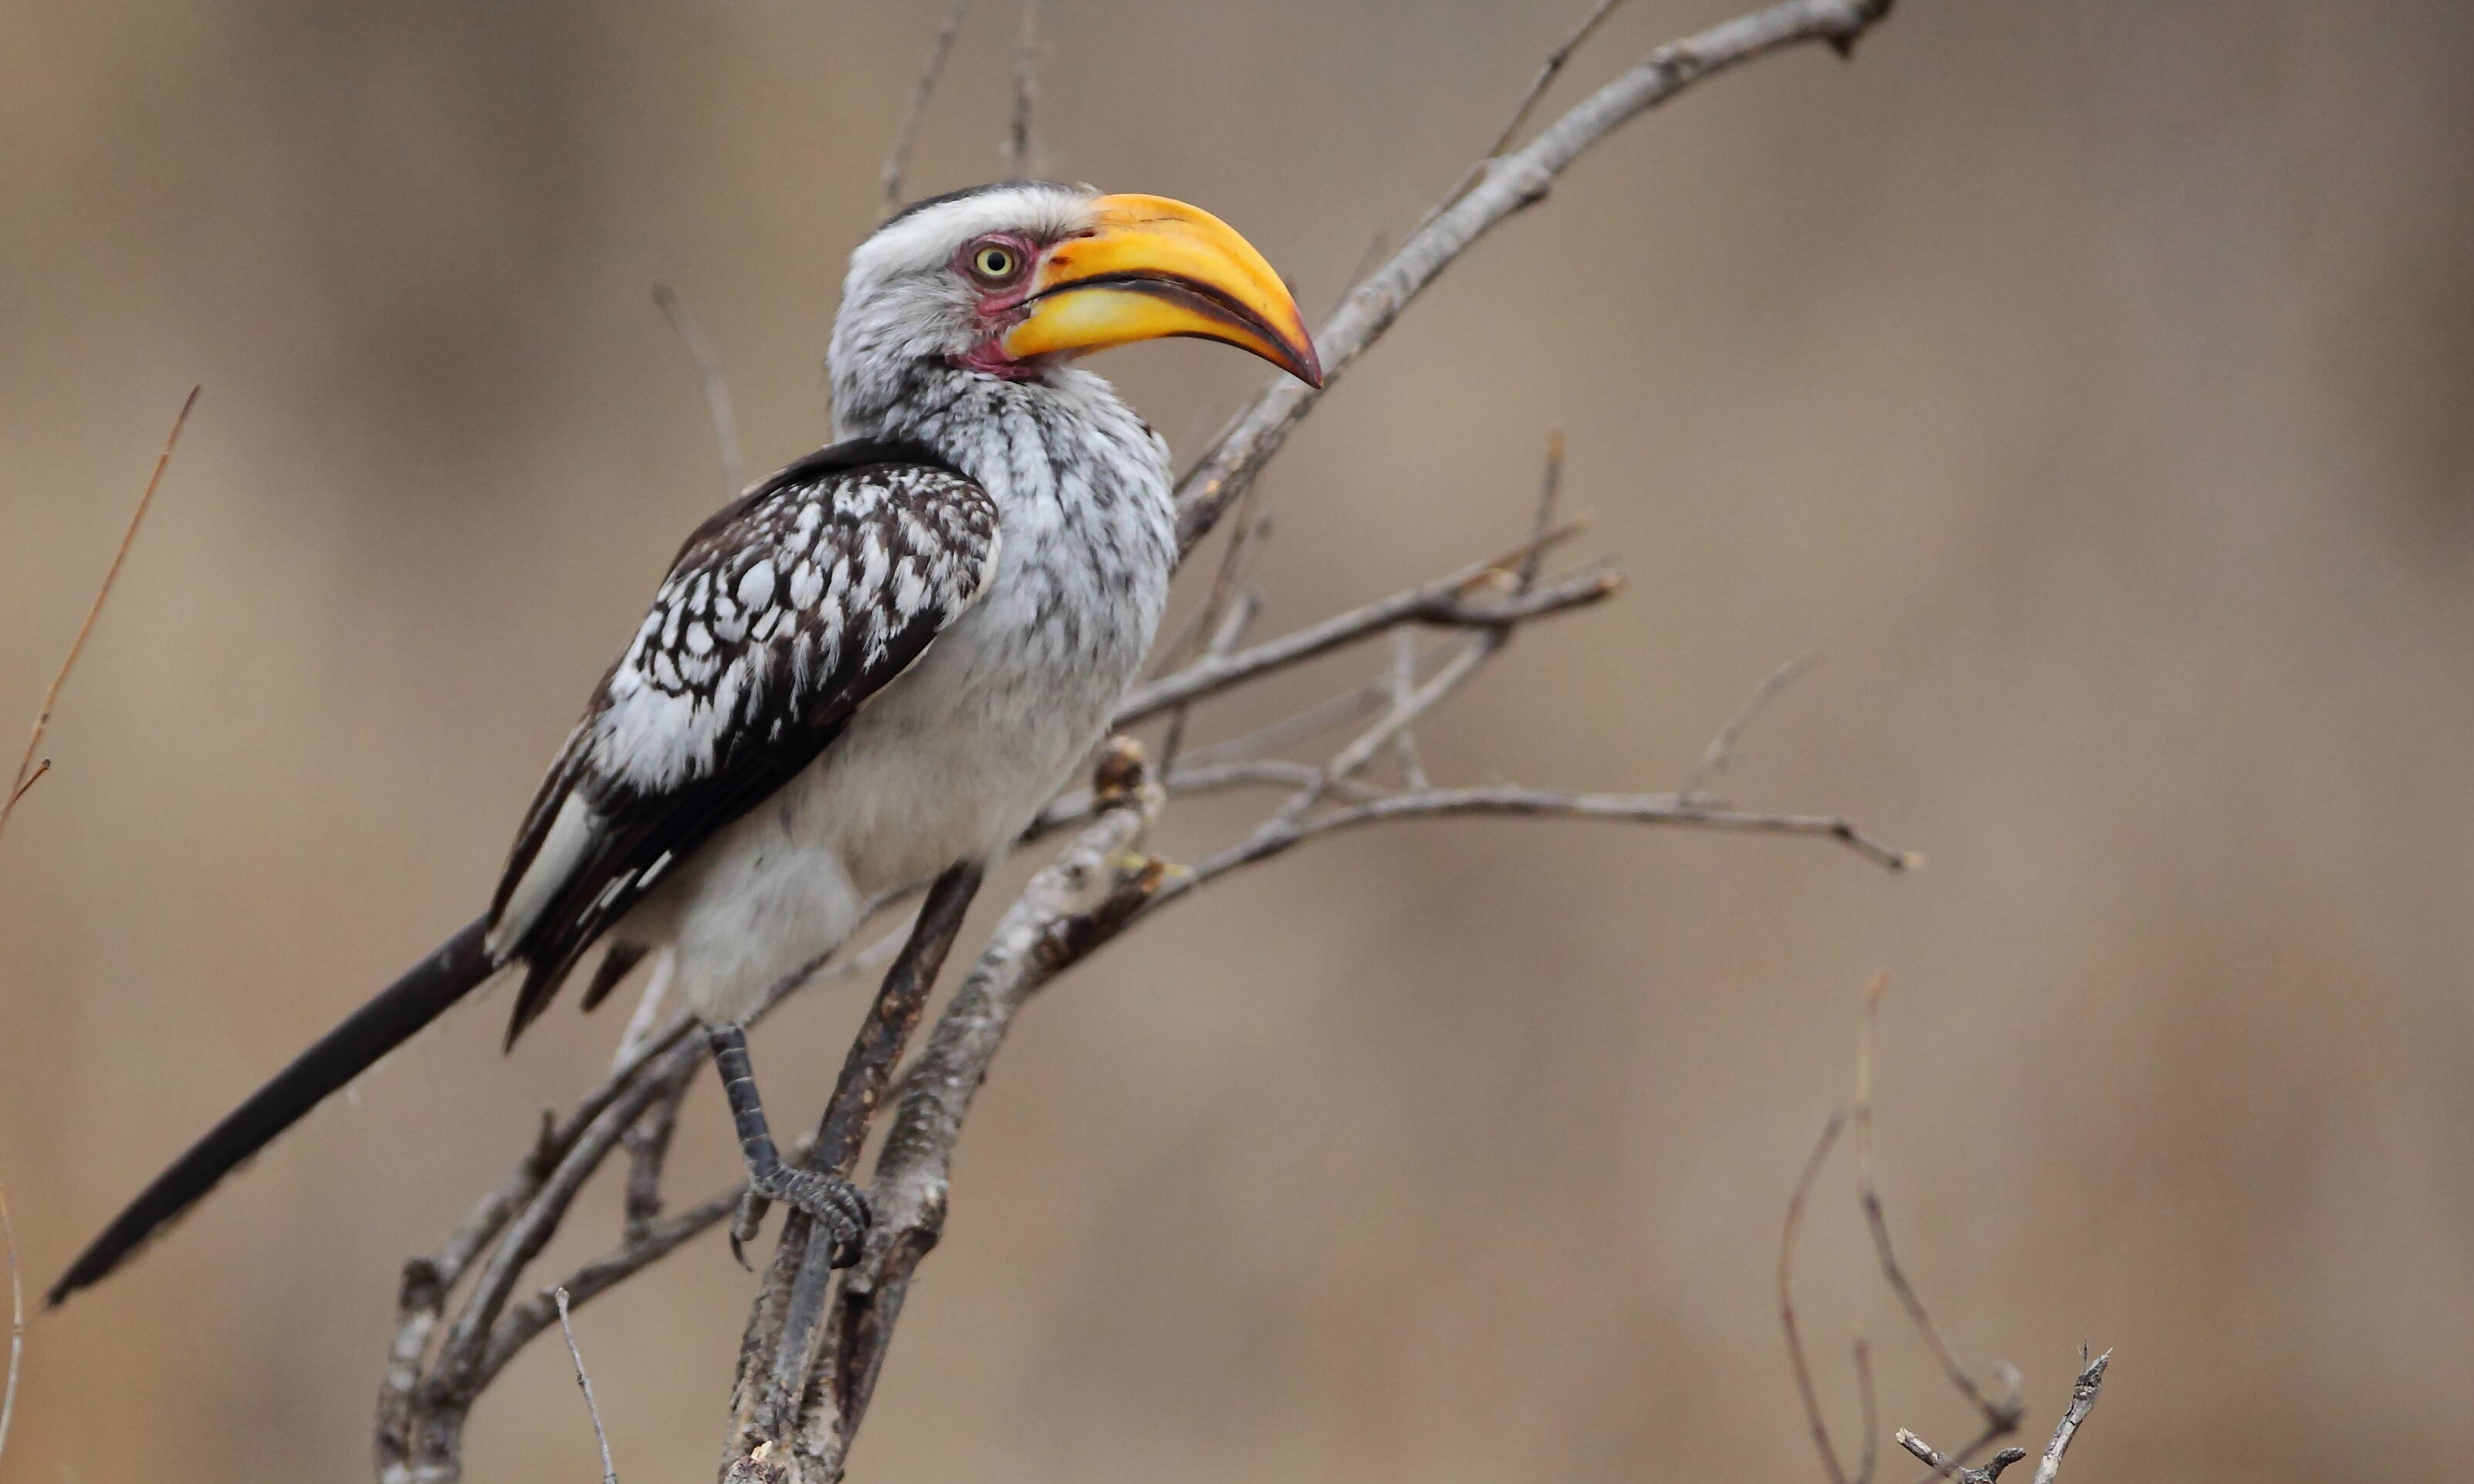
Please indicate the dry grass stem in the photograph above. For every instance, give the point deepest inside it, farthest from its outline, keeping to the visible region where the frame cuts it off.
(27, 768)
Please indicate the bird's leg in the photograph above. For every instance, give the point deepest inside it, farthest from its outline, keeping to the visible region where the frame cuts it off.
(866, 1071)
(827, 1197)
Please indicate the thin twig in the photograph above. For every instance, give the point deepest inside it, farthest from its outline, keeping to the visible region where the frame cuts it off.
(27, 772)
(1403, 682)
(1722, 752)
(716, 391)
(1511, 800)
(1448, 602)
(1953, 1466)
(566, 1327)
(906, 136)
(1021, 162)
(1872, 1412)
(16, 1322)
(2082, 1403)
(41, 766)
(1514, 181)
(2001, 1417)
(1804, 1387)
(1545, 78)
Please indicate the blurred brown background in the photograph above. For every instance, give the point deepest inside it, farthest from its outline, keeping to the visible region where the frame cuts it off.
(2088, 383)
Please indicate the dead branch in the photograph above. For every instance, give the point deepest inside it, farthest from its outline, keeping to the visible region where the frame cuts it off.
(2082, 1402)
(1947, 1467)
(1514, 181)
(28, 770)
(2002, 1415)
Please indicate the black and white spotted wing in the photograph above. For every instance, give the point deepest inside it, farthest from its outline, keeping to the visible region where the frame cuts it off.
(781, 614)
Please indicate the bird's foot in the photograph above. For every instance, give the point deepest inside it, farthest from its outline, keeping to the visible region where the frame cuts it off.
(833, 1203)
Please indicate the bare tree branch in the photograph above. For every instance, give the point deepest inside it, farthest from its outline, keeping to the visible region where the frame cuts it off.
(1446, 602)
(2001, 1417)
(1508, 799)
(584, 1382)
(716, 391)
(906, 136)
(1949, 1468)
(1516, 180)
(1041, 934)
(27, 768)
(2082, 1403)
(1545, 78)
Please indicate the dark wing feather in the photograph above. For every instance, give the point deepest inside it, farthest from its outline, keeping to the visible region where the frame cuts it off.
(781, 616)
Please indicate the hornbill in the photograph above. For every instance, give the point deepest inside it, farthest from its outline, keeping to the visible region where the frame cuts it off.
(872, 668)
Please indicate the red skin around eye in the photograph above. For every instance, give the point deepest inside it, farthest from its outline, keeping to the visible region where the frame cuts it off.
(1000, 305)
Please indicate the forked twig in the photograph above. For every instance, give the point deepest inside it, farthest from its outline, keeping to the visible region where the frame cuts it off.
(27, 770)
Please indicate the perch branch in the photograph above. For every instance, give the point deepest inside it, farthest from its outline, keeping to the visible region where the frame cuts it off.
(1041, 934)
(28, 770)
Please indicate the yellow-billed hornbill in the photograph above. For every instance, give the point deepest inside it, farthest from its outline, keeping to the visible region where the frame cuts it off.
(873, 667)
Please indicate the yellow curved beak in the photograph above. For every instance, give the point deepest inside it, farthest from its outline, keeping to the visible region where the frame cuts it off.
(1152, 268)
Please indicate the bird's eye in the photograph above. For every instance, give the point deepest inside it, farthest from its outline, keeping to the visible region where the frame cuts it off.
(992, 261)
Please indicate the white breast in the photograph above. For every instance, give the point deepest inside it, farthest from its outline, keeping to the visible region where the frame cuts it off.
(954, 758)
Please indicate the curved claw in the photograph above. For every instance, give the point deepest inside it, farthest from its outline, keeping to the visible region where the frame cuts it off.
(830, 1200)
(743, 1227)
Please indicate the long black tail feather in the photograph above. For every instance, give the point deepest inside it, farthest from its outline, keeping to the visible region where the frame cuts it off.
(449, 973)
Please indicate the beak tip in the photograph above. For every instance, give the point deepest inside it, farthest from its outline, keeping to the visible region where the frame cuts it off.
(1309, 366)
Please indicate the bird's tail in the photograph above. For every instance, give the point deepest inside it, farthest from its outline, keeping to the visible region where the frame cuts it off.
(449, 973)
